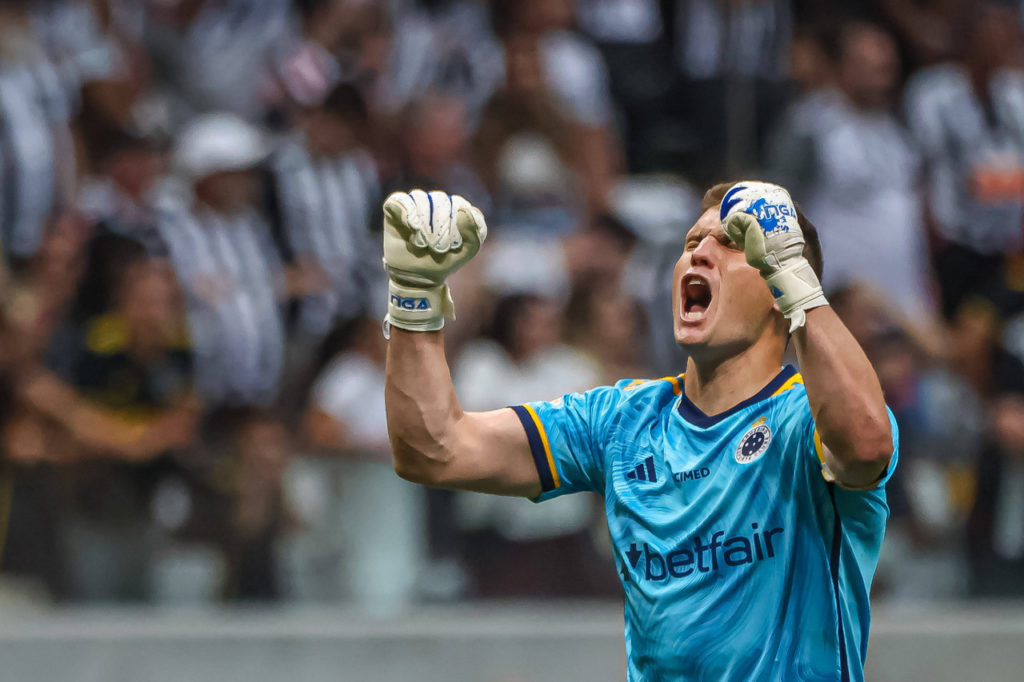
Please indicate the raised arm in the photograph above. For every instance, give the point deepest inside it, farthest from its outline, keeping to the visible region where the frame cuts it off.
(843, 391)
(435, 443)
(846, 399)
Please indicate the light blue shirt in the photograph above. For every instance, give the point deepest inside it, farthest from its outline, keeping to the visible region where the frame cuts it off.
(739, 560)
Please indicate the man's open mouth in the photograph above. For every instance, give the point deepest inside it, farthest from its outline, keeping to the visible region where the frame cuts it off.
(696, 297)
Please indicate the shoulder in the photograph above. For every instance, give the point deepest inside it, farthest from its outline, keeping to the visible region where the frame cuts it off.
(809, 107)
(818, 114)
(935, 84)
(1008, 82)
(639, 395)
(574, 63)
(626, 396)
(363, 161)
(289, 155)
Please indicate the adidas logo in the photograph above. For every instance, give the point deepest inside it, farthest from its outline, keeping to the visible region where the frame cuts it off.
(644, 471)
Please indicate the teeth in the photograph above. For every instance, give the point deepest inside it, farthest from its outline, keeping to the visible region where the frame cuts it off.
(693, 315)
(694, 280)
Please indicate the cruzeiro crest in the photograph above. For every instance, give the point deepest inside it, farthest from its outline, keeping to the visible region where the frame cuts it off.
(754, 442)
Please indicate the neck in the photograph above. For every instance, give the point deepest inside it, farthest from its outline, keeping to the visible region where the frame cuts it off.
(980, 74)
(716, 386)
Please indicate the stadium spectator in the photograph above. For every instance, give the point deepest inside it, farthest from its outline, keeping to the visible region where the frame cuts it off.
(259, 450)
(470, 62)
(606, 326)
(126, 400)
(379, 523)
(41, 296)
(655, 209)
(120, 197)
(36, 157)
(930, 30)
(327, 190)
(995, 530)
(118, 202)
(225, 262)
(389, 49)
(731, 59)
(437, 148)
(217, 56)
(525, 356)
(106, 178)
(854, 169)
(544, 55)
(940, 417)
(633, 38)
(967, 117)
(528, 157)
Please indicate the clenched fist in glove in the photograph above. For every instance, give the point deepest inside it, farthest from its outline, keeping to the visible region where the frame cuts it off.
(761, 218)
(427, 236)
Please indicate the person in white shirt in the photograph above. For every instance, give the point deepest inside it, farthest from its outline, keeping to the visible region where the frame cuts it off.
(525, 356)
(968, 118)
(379, 520)
(854, 168)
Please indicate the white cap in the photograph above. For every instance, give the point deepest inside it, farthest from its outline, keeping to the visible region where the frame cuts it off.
(216, 143)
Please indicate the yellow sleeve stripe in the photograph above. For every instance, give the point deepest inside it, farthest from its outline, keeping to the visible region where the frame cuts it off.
(796, 379)
(547, 446)
(637, 383)
(819, 450)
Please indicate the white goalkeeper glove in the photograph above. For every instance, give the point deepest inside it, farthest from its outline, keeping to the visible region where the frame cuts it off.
(761, 218)
(427, 236)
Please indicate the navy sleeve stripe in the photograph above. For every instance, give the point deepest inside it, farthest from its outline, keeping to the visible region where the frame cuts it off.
(540, 457)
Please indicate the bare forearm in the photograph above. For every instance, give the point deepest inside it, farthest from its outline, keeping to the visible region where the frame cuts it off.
(421, 405)
(845, 396)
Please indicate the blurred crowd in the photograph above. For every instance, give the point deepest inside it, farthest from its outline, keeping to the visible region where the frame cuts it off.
(191, 362)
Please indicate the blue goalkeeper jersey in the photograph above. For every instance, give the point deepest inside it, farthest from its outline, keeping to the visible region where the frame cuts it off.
(739, 559)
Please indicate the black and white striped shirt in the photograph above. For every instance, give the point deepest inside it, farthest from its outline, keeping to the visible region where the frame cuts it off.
(716, 38)
(33, 138)
(222, 59)
(326, 204)
(228, 269)
(974, 155)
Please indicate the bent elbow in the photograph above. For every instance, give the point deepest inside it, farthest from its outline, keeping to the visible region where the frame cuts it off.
(411, 471)
(874, 447)
(414, 466)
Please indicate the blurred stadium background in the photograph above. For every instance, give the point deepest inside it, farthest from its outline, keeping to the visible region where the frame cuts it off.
(195, 465)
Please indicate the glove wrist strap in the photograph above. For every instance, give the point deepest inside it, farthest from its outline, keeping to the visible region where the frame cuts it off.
(796, 290)
(419, 309)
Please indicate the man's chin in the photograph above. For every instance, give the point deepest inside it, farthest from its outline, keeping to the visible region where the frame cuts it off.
(692, 336)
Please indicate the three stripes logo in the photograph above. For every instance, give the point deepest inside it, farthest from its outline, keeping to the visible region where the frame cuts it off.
(644, 471)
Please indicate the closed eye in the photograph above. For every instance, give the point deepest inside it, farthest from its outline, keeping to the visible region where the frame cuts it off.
(728, 243)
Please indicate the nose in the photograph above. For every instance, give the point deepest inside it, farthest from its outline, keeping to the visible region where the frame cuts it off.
(705, 251)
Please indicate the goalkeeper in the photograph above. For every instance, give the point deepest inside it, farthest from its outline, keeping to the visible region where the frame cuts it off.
(746, 501)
